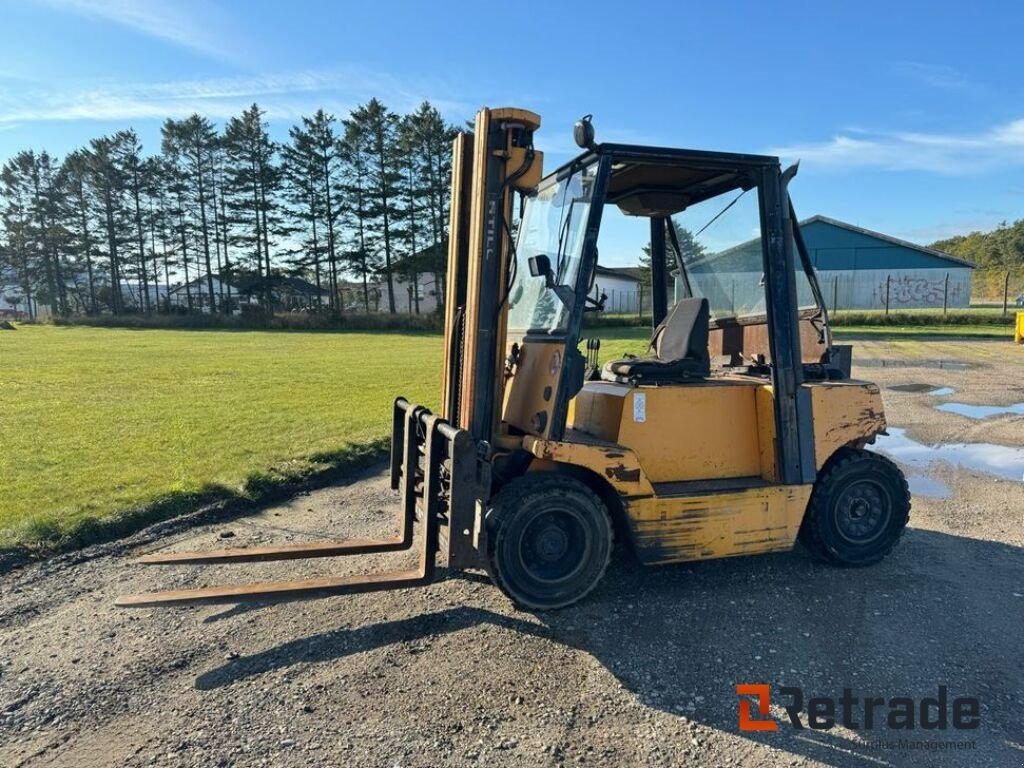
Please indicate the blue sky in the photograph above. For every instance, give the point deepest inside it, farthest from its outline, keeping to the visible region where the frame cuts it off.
(907, 117)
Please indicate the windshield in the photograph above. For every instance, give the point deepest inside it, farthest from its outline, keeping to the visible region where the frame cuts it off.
(554, 223)
(721, 244)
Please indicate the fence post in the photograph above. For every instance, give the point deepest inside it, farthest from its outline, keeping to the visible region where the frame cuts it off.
(1006, 292)
(945, 294)
(887, 278)
(835, 293)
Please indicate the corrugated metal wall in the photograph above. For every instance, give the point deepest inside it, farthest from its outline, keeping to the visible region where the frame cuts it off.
(742, 292)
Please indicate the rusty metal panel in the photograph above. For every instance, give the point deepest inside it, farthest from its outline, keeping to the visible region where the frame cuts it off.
(764, 519)
(615, 463)
(845, 413)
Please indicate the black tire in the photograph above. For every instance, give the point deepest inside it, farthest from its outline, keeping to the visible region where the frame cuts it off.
(549, 540)
(858, 509)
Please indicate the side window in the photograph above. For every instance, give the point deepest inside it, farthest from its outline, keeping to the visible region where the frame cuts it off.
(720, 240)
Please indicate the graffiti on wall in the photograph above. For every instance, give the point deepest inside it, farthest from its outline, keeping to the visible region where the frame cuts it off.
(909, 291)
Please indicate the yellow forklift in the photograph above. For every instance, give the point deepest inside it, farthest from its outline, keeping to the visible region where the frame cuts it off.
(739, 432)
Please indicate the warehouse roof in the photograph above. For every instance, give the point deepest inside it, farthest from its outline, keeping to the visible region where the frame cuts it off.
(626, 273)
(834, 245)
(887, 238)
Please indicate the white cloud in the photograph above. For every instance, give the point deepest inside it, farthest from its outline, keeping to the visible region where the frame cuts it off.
(947, 153)
(283, 96)
(196, 27)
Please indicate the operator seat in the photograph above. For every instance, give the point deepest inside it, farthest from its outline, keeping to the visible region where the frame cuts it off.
(680, 344)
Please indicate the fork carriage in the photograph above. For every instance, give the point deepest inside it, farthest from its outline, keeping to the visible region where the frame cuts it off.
(435, 468)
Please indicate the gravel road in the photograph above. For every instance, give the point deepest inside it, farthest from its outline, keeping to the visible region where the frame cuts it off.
(642, 673)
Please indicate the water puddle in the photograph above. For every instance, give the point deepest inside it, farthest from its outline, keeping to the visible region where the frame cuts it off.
(917, 386)
(948, 365)
(981, 411)
(998, 460)
(928, 486)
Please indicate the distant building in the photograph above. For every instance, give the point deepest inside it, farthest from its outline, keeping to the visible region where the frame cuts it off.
(14, 305)
(621, 286)
(855, 264)
(857, 268)
(287, 293)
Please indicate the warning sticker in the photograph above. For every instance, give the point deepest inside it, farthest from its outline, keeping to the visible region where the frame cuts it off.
(639, 407)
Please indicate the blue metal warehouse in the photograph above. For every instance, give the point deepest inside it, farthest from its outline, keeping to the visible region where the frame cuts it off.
(856, 267)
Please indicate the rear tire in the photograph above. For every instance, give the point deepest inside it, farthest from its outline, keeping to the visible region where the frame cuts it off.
(858, 509)
(549, 540)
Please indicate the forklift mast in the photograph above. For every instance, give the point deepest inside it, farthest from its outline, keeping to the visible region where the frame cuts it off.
(488, 166)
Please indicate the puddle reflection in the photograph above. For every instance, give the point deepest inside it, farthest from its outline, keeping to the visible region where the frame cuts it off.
(917, 386)
(981, 411)
(999, 460)
(928, 486)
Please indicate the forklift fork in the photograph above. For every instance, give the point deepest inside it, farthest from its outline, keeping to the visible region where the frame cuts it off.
(427, 453)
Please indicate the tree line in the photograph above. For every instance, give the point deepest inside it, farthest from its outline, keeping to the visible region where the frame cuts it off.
(347, 204)
(999, 255)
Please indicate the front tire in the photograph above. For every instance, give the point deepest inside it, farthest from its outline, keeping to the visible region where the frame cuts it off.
(858, 509)
(549, 540)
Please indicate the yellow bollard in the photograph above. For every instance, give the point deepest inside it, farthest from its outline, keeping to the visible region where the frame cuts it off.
(1018, 332)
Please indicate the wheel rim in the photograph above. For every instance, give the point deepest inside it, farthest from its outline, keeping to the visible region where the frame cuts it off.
(554, 545)
(863, 511)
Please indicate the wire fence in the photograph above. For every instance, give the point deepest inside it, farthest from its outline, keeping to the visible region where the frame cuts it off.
(742, 293)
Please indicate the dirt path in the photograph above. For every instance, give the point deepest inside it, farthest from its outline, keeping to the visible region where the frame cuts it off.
(643, 673)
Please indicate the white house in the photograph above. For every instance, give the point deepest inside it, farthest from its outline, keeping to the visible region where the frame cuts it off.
(621, 285)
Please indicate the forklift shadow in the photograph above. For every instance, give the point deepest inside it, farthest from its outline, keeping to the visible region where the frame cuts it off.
(941, 610)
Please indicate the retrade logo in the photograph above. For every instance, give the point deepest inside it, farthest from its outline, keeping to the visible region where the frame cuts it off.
(858, 712)
(762, 692)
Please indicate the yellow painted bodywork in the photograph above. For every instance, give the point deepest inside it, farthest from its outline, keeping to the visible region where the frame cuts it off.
(845, 413)
(1018, 331)
(668, 530)
(619, 466)
(658, 459)
(531, 388)
(700, 431)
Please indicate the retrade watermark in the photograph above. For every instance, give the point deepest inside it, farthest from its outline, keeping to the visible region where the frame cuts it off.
(857, 712)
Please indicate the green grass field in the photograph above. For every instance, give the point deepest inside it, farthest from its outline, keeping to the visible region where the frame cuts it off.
(134, 425)
(96, 421)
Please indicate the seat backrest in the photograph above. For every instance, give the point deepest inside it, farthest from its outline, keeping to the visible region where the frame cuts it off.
(684, 331)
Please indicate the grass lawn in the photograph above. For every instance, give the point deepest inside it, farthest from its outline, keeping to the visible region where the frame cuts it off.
(96, 421)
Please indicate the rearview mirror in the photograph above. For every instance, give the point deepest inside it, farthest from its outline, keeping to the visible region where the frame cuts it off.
(540, 266)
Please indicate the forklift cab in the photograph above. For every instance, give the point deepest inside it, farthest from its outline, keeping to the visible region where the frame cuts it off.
(734, 304)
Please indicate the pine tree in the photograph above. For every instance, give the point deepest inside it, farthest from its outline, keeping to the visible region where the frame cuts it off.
(79, 212)
(16, 195)
(355, 174)
(107, 181)
(253, 181)
(311, 163)
(377, 129)
(190, 144)
(431, 148)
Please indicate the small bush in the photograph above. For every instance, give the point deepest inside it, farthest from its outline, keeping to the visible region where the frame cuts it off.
(919, 317)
